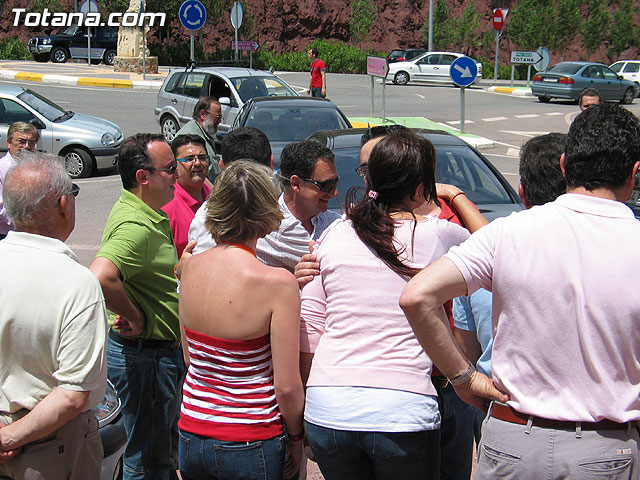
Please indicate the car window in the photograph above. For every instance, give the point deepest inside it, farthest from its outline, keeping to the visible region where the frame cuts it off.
(218, 87)
(252, 87)
(293, 124)
(566, 68)
(174, 82)
(447, 59)
(616, 66)
(193, 84)
(43, 106)
(11, 111)
(632, 67)
(609, 74)
(108, 32)
(71, 30)
(433, 60)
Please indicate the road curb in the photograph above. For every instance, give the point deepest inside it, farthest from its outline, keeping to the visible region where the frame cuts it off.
(82, 81)
(521, 91)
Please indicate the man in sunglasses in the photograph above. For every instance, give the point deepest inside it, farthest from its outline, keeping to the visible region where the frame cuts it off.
(52, 332)
(207, 115)
(190, 189)
(135, 268)
(21, 136)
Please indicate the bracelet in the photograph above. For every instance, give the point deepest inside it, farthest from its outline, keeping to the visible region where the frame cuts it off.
(175, 272)
(296, 438)
(464, 376)
(453, 198)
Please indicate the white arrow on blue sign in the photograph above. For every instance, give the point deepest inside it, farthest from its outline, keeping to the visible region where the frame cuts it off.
(192, 14)
(463, 71)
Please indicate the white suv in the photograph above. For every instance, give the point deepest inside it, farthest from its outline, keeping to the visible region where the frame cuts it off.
(232, 86)
(629, 69)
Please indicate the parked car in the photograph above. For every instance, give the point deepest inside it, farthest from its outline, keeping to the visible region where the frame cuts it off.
(566, 80)
(86, 143)
(72, 43)
(232, 86)
(402, 55)
(458, 164)
(629, 69)
(112, 434)
(429, 67)
(290, 119)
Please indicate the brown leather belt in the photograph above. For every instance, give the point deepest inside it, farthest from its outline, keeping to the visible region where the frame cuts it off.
(508, 414)
(141, 343)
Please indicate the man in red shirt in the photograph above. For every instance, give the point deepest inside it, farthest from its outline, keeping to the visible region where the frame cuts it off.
(318, 85)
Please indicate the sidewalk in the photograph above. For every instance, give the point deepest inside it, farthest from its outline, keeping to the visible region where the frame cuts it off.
(72, 73)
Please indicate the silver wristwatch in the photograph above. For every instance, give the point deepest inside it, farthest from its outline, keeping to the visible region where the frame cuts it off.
(464, 376)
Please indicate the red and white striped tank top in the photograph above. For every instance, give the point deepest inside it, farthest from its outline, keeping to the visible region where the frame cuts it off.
(228, 393)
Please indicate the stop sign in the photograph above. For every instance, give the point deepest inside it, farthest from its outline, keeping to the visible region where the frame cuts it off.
(498, 19)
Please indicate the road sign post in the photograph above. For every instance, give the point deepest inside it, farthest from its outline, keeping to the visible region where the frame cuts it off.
(192, 15)
(87, 7)
(378, 67)
(463, 72)
(499, 14)
(237, 14)
(244, 45)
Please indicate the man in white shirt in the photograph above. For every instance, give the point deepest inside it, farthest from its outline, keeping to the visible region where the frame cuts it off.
(53, 327)
(309, 177)
(21, 136)
(565, 317)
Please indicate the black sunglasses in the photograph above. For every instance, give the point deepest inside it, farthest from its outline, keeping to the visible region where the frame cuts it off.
(362, 170)
(326, 186)
(75, 190)
(172, 169)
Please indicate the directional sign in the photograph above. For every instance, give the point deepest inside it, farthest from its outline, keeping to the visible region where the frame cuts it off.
(545, 58)
(463, 71)
(192, 14)
(236, 15)
(242, 45)
(377, 66)
(525, 57)
(498, 19)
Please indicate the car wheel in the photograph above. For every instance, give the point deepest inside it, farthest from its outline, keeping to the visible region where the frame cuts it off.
(169, 127)
(40, 57)
(59, 55)
(78, 162)
(627, 98)
(109, 57)
(401, 78)
(544, 99)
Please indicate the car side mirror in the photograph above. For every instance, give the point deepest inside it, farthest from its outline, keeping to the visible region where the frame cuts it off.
(224, 101)
(620, 77)
(37, 123)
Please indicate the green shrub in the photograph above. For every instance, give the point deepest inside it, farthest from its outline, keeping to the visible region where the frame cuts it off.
(14, 49)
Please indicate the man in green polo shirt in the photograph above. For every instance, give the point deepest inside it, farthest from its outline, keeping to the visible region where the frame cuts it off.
(135, 268)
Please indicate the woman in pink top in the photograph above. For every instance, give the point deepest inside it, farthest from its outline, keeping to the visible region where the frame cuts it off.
(240, 321)
(371, 410)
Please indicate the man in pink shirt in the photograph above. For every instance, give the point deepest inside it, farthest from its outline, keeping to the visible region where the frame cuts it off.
(190, 189)
(565, 313)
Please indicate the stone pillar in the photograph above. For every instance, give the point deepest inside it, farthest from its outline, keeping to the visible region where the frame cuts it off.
(129, 55)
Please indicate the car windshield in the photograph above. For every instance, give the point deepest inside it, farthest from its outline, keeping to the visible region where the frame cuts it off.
(565, 68)
(250, 87)
(71, 30)
(43, 106)
(458, 165)
(616, 67)
(293, 124)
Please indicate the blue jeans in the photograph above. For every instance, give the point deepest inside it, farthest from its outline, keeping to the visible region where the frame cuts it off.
(149, 385)
(351, 455)
(202, 458)
(456, 435)
(317, 92)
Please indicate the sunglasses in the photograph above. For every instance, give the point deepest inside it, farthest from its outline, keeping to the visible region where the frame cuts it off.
(75, 190)
(326, 186)
(362, 170)
(172, 169)
(192, 158)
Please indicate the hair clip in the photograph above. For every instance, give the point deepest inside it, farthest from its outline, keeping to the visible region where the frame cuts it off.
(373, 194)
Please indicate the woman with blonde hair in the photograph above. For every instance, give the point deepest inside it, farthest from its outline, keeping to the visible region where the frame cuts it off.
(240, 322)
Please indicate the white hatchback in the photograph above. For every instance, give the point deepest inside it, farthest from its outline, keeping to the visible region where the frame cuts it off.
(430, 67)
(629, 69)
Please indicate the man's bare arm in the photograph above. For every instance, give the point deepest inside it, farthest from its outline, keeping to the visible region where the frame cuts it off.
(131, 319)
(55, 410)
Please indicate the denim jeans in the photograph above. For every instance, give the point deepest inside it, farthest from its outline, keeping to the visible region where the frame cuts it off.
(149, 385)
(456, 435)
(202, 458)
(352, 455)
(317, 92)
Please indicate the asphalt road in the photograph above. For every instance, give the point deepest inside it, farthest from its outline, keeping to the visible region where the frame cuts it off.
(507, 120)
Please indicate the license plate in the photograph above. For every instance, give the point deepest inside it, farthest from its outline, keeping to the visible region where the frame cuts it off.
(547, 79)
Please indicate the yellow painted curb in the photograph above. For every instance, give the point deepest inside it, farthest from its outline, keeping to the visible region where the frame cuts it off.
(32, 77)
(504, 89)
(104, 82)
(359, 124)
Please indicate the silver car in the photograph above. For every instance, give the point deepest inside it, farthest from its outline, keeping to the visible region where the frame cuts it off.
(232, 86)
(86, 143)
